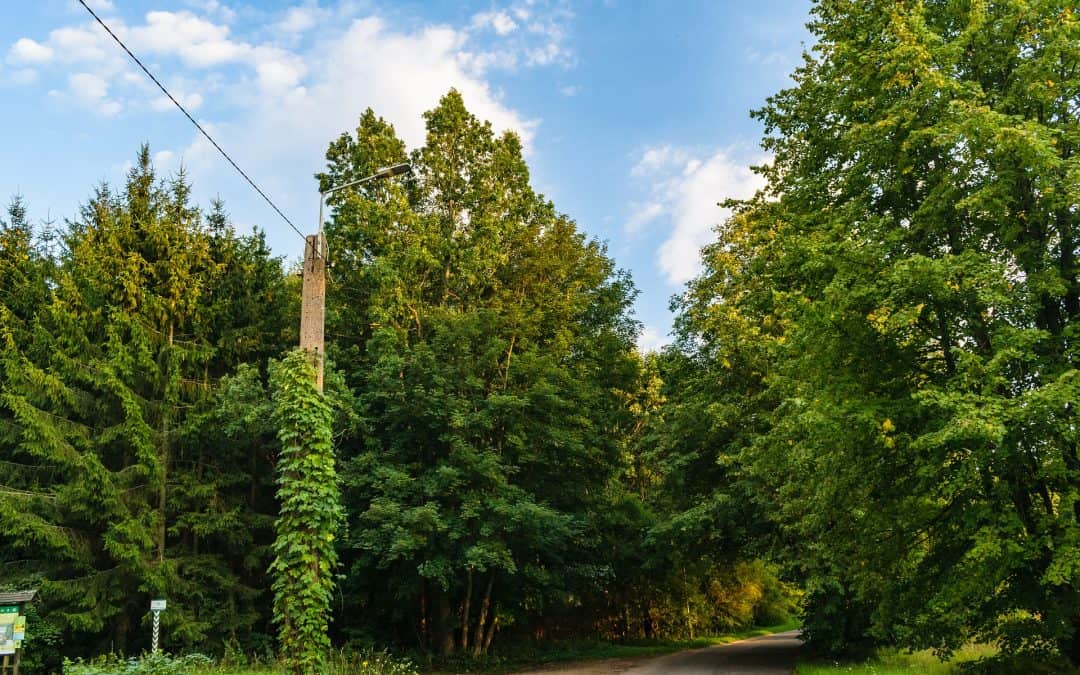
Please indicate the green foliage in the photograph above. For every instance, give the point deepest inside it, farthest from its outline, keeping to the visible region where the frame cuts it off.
(370, 662)
(970, 659)
(883, 343)
(486, 341)
(119, 480)
(510, 465)
(309, 517)
(150, 664)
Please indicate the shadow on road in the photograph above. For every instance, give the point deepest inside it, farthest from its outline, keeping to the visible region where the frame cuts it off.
(768, 655)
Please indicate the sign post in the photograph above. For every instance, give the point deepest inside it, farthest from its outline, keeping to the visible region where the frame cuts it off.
(157, 607)
(13, 629)
(8, 647)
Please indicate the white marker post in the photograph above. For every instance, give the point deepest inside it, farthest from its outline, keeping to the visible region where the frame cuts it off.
(157, 607)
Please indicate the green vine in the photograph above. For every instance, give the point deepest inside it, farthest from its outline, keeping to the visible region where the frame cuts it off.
(305, 555)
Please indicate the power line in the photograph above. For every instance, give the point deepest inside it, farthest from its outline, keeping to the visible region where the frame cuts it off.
(192, 119)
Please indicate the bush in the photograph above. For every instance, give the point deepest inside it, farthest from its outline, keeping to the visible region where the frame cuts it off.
(369, 662)
(149, 664)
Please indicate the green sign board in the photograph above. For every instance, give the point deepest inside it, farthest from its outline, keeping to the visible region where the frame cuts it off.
(7, 634)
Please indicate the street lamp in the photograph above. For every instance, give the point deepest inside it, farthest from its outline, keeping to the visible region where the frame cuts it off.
(385, 172)
(313, 295)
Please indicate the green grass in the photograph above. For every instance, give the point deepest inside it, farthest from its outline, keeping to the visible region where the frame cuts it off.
(890, 662)
(522, 657)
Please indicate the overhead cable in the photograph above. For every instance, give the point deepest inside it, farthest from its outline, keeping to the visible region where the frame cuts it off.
(191, 119)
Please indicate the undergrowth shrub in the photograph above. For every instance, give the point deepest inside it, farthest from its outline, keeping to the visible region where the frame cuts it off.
(370, 662)
(148, 664)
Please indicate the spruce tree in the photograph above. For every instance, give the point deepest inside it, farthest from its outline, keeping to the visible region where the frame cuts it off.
(132, 487)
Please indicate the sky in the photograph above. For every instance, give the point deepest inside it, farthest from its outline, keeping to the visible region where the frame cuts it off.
(635, 114)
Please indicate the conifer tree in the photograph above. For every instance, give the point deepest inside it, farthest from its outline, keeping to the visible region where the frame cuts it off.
(125, 492)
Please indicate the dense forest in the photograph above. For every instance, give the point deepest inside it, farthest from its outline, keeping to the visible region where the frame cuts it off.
(488, 405)
(867, 415)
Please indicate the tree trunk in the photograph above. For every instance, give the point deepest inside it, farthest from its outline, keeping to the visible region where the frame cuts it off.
(478, 641)
(425, 636)
(465, 612)
(445, 630)
(490, 634)
(162, 490)
(1070, 647)
(946, 343)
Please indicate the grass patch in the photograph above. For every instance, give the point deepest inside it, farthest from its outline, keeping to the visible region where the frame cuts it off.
(520, 657)
(891, 661)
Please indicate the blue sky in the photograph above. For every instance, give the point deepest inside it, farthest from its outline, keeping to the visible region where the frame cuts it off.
(635, 114)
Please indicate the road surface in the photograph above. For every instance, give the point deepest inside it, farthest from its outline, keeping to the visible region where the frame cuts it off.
(769, 655)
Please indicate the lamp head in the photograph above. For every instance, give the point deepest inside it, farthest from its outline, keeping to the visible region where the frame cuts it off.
(395, 170)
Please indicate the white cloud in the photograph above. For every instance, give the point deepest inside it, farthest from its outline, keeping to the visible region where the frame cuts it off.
(643, 214)
(480, 62)
(92, 91)
(545, 55)
(500, 22)
(278, 101)
(101, 5)
(299, 19)
(529, 34)
(399, 74)
(570, 90)
(651, 340)
(88, 87)
(214, 8)
(83, 44)
(22, 76)
(191, 101)
(657, 158)
(689, 187)
(197, 41)
(26, 50)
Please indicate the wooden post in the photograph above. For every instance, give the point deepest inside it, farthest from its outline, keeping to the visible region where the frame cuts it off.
(313, 302)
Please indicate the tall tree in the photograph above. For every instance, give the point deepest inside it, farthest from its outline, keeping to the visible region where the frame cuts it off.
(109, 408)
(914, 291)
(485, 339)
(24, 271)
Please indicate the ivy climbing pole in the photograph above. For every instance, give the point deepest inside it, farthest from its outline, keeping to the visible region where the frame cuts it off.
(309, 517)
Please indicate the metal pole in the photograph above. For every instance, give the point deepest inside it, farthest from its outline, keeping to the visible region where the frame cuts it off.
(157, 631)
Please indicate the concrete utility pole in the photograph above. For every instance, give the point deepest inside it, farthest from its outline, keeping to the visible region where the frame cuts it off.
(313, 301)
(313, 295)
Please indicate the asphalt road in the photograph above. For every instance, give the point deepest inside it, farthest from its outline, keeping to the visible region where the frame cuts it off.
(769, 655)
